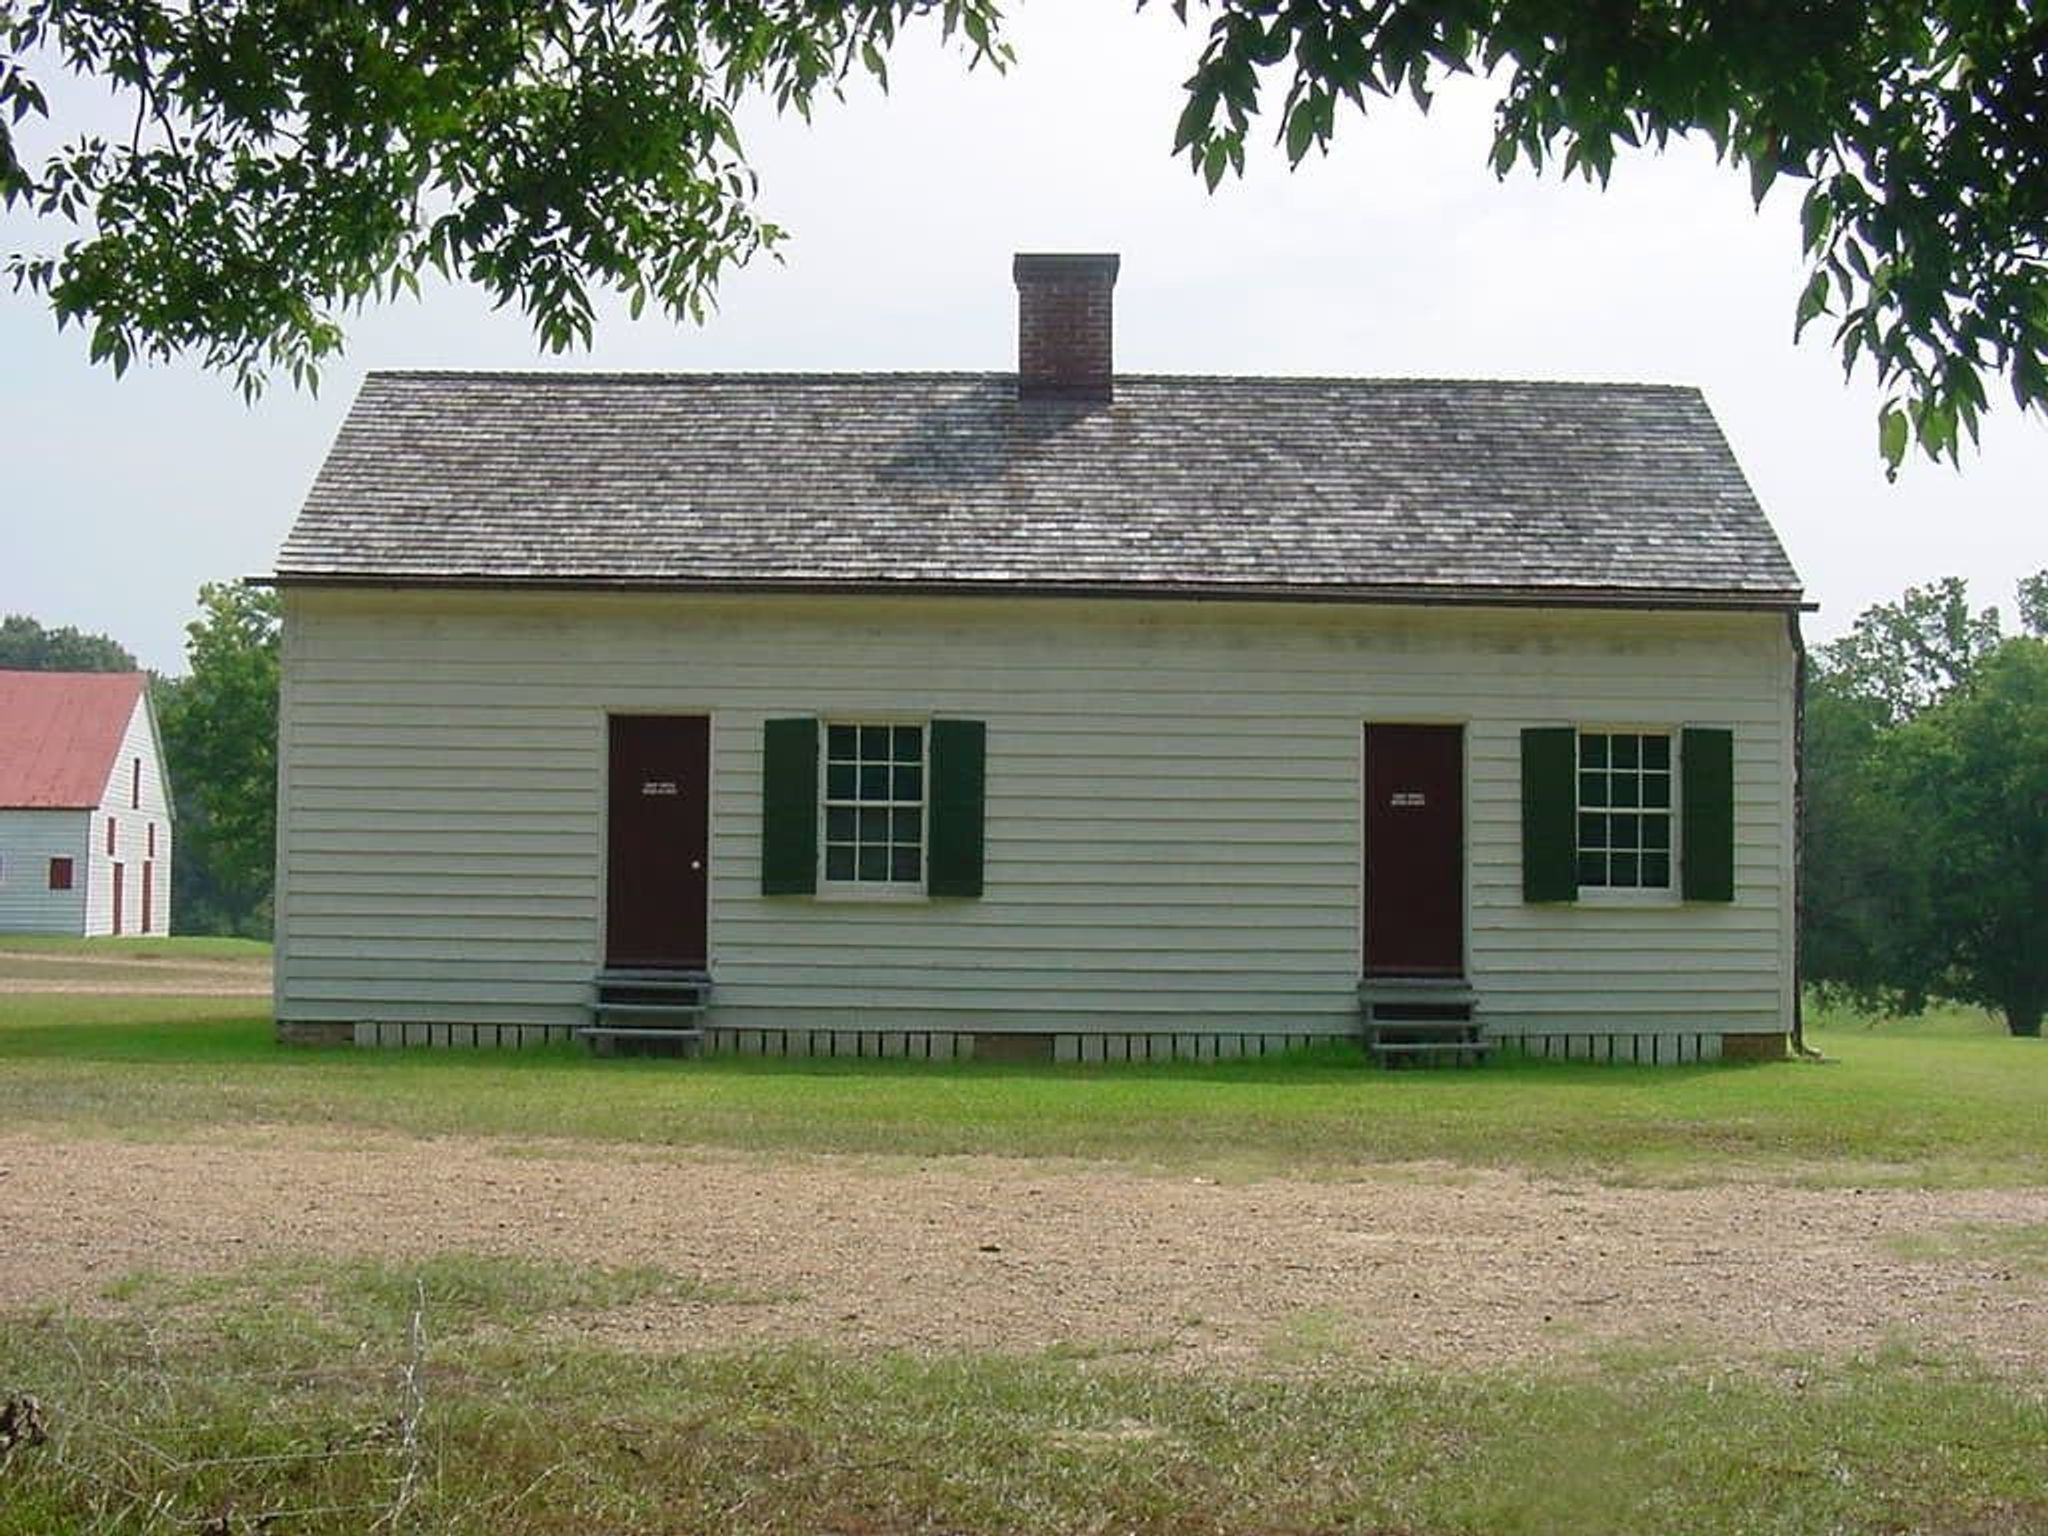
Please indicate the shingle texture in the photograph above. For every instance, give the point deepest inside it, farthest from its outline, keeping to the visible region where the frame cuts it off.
(1291, 487)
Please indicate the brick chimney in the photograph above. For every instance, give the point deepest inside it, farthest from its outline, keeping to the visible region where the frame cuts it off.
(1064, 327)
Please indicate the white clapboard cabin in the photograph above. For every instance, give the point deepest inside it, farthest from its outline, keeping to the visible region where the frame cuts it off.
(85, 812)
(1037, 715)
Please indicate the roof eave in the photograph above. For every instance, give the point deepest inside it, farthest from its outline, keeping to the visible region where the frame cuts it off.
(1790, 600)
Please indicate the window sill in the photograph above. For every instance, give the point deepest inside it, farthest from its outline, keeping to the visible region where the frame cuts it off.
(872, 895)
(1613, 896)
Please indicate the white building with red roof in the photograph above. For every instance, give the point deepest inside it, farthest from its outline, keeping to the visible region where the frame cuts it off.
(85, 810)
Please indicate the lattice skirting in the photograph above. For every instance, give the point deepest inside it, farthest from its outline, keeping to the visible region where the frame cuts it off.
(943, 1045)
(947, 1045)
(1641, 1049)
(919, 1045)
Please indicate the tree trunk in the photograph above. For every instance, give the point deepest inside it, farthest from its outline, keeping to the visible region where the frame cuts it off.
(2024, 1019)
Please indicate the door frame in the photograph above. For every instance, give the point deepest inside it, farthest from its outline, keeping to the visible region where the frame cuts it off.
(1464, 725)
(601, 753)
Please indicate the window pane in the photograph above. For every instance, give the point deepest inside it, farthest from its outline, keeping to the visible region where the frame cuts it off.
(1622, 869)
(874, 742)
(910, 783)
(1592, 789)
(1592, 831)
(1625, 831)
(1656, 869)
(874, 781)
(1592, 869)
(1656, 751)
(905, 864)
(909, 743)
(905, 826)
(839, 863)
(839, 742)
(1626, 788)
(1656, 831)
(1625, 751)
(874, 825)
(1657, 789)
(839, 824)
(1593, 751)
(839, 781)
(874, 863)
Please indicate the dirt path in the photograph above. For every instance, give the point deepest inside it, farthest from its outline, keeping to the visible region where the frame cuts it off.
(1422, 1265)
(111, 975)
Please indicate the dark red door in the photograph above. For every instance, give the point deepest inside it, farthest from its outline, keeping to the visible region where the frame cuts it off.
(1414, 850)
(119, 871)
(659, 804)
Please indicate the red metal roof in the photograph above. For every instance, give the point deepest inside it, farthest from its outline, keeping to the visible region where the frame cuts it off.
(59, 732)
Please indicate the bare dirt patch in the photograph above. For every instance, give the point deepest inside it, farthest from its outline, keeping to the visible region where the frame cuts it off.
(122, 975)
(1425, 1266)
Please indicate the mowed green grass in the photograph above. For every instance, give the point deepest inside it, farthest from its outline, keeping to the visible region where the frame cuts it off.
(1946, 1100)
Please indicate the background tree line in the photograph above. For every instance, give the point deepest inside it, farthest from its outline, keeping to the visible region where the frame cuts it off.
(219, 729)
(1926, 851)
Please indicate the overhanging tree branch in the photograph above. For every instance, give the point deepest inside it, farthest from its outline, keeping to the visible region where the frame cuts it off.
(318, 153)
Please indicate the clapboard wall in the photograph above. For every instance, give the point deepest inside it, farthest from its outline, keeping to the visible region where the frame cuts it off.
(29, 839)
(1173, 816)
(137, 801)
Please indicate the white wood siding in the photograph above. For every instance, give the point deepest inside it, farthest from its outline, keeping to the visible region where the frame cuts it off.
(28, 841)
(132, 822)
(1173, 820)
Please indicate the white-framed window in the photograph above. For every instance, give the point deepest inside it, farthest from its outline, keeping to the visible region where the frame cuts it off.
(1625, 810)
(874, 803)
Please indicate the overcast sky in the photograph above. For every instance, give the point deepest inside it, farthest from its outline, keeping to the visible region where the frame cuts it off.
(1399, 255)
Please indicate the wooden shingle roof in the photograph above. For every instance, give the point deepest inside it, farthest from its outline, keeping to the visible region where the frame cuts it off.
(1335, 488)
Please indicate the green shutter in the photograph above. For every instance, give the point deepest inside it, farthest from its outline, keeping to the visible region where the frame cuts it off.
(959, 776)
(1550, 806)
(789, 807)
(1706, 788)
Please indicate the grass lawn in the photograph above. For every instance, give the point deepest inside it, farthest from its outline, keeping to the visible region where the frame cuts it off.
(277, 1394)
(1948, 1100)
(281, 1391)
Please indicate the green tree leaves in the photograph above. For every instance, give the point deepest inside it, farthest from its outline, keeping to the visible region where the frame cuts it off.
(25, 646)
(1926, 849)
(1968, 783)
(293, 159)
(1918, 125)
(1906, 656)
(219, 726)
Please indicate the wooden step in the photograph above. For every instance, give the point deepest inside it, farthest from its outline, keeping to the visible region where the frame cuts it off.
(647, 1011)
(690, 987)
(1421, 1021)
(1432, 990)
(1427, 1053)
(634, 1032)
(640, 1040)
